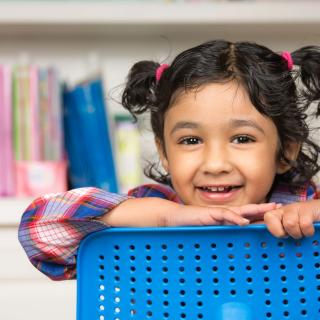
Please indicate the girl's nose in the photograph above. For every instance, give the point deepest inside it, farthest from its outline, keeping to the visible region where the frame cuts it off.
(216, 160)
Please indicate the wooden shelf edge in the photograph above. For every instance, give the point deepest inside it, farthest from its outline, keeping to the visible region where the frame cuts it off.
(148, 14)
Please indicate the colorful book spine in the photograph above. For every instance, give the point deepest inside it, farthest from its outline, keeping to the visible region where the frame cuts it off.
(25, 110)
(7, 187)
(44, 115)
(73, 140)
(50, 116)
(56, 115)
(37, 170)
(106, 177)
(33, 134)
(17, 114)
(93, 144)
(127, 142)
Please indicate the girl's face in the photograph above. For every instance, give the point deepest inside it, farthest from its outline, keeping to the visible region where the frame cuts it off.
(219, 150)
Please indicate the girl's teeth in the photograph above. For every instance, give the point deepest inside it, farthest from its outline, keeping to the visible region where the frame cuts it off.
(218, 189)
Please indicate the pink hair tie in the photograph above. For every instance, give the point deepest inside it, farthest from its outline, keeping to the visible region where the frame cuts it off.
(287, 55)
(160, 70)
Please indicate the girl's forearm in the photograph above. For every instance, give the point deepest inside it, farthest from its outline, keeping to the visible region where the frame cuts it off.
(140, 212)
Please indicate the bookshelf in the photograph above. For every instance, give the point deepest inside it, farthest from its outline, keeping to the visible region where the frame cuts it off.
(110, 17)
(80, 36)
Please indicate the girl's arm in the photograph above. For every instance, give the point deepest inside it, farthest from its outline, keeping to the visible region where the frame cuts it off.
(52, 227)
(156, 212)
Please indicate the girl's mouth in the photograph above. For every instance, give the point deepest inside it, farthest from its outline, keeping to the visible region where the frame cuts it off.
(219, 189)
(218, 194)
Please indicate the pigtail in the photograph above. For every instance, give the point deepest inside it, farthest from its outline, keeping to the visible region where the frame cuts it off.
(139, 93)
(308, 58)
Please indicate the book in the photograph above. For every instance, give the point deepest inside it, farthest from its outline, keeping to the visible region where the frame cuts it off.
(44, 115)
(25, 113)
(50, 115)
(88, 106)
(56, 121)
(17, 115)
(77, 166)
(7, 187)
(39, 168)
(127, 142)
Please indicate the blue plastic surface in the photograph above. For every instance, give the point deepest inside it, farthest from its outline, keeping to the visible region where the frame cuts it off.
(216, 273)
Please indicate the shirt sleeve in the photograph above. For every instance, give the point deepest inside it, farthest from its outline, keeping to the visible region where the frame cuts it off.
(313, 191)
(155, 190)
(52, 227)
(317, 193)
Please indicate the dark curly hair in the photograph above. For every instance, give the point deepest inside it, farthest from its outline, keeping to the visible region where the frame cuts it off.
(274, 90)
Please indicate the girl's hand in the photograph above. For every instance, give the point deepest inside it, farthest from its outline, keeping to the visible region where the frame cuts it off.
(219, 215)
(295, 220)
(143, 212)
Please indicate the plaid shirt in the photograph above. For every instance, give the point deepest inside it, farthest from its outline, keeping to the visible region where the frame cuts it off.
(52, 226)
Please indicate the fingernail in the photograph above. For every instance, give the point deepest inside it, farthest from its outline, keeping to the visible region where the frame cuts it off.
(279, 205)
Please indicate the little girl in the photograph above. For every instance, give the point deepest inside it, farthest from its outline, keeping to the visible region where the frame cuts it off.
(231, 132)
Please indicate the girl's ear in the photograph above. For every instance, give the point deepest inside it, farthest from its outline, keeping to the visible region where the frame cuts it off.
(162, 155)
(291, 152)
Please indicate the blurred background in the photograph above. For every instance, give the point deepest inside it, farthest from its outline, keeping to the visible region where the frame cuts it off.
(59, 58)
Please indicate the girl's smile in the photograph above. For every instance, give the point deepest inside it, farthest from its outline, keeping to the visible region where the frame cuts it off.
(219, 150)
(218, 193)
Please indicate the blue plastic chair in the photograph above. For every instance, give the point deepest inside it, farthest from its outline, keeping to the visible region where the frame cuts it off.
(229, 273)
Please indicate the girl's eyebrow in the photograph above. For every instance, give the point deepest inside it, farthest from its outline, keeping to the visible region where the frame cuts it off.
(238, 123)
(233, 124)
(184, 125)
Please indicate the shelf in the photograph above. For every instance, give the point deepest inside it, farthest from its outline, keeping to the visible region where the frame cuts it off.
(111, 18)
(11, 210)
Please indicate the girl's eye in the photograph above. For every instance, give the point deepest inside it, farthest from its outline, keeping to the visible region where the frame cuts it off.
(243, 139)
(190, 140)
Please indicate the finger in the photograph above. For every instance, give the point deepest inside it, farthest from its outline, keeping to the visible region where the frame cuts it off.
(226, 216)
(306, 225)
(205, 216)
(291, 223)
(254, 209)
(254, 212)
(273, 221)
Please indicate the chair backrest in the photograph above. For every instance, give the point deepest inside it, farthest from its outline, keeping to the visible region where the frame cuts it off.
(230, 273)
